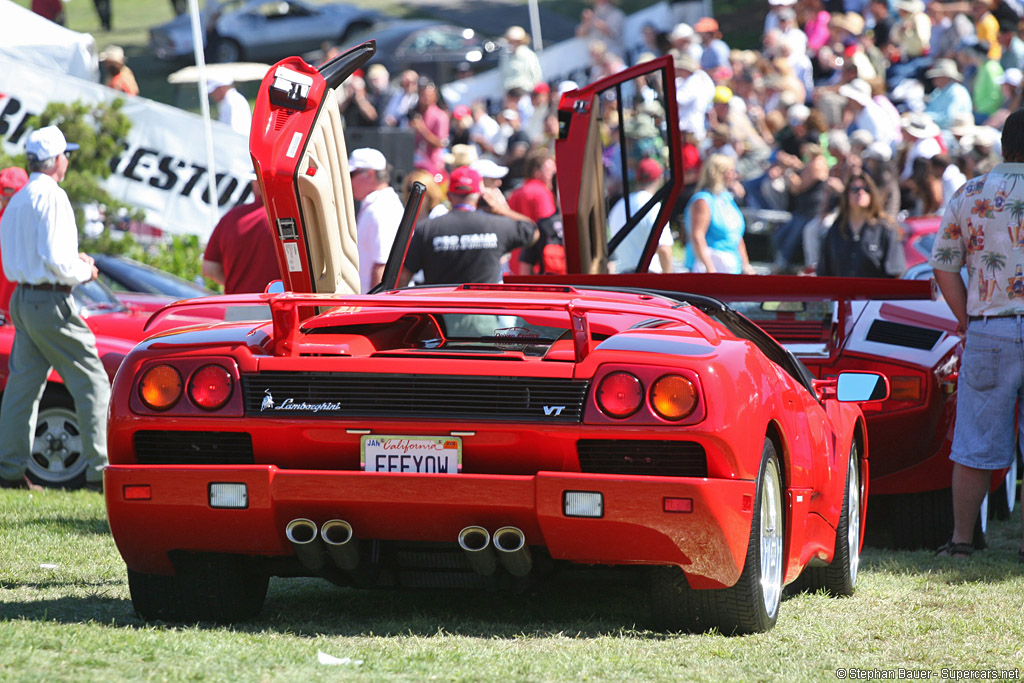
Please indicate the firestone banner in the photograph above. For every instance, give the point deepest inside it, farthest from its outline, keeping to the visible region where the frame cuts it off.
(163, 168)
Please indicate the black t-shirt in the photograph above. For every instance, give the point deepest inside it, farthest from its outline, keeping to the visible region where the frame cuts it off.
(465, 246)
(877, 253)
(550, 238)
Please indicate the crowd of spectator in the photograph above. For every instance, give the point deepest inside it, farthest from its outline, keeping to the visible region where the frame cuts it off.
(905, 95)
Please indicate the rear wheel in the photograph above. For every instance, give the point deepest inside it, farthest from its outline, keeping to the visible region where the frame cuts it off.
(840, 577)
(227, 50)
(750, 606)
(57, 460)
(221, 589)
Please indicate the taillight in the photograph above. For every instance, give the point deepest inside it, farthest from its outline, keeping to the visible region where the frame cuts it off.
(210, 387)
(673, 397)
(620, 394)
(904, 388)
(160, 387)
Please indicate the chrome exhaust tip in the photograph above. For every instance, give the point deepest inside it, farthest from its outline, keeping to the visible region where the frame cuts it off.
(510, 542)
(341, 544)
(302, 534)
(475, 542)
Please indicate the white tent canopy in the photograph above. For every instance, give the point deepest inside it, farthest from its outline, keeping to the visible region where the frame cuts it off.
(30, 39)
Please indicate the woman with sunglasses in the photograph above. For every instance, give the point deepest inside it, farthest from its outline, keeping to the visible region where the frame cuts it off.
(863, 241)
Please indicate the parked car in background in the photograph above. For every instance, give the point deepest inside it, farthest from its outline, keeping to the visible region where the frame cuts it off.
(432, 48)
(264, 30)
(123, 274)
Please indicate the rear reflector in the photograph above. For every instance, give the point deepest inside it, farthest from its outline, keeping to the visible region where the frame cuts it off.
(229, 496)
(583, 504)
(138, 492)
(678, 504)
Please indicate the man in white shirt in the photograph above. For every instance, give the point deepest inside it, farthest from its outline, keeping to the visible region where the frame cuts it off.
(649, 176)
(232, 107)
(379, 213)
(694, 93)
(39, 246)
(868, 115)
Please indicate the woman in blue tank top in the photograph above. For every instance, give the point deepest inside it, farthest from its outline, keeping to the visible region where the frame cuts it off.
(714, 223)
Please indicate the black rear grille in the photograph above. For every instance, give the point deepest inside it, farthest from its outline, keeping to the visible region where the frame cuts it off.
(193, 448)
(898, 334)
(336, 394)
(651, 458)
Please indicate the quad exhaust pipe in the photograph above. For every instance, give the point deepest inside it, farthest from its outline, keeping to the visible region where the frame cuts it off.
(508, 546)
(301, 533)
(341, 544)
(510, 542)
(335, 539)
(475, 541)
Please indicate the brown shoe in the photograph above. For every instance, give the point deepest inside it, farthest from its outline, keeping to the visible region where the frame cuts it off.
(23, 483)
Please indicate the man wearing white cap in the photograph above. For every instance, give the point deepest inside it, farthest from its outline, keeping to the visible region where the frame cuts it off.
(519, 65)
(39, 246)
(868, 115)
(380, 212)
(232, 107)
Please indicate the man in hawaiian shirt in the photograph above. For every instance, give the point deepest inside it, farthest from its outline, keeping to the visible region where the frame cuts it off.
(983, 229)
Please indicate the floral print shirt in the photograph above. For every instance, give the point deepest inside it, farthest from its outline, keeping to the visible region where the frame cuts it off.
(983, 228)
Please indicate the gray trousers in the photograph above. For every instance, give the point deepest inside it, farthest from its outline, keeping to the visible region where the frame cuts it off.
(49, 334)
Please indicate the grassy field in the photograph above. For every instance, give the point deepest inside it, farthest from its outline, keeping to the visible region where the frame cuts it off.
(65, 614)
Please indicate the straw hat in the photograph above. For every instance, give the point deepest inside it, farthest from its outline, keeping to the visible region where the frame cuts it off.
(461, 155)
(857, 90)
(517, 34)
(944, 68)
(920, 125)
(113, 53)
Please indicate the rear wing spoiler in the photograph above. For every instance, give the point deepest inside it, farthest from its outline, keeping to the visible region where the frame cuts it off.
(752, 287)
(762, 288)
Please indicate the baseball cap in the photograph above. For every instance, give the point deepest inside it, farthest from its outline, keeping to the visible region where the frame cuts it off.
(488, 169)
(12, 179)
(705, 25)
(464, 180)
(649, 170)
(47, 143)
(541, 88)
(461, 111)
(366, 157)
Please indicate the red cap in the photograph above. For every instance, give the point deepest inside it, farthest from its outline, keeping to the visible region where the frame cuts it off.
(649, 170)
(541, 88)
(13, 178)
(461, 112)
(705, 25)
(464, 180)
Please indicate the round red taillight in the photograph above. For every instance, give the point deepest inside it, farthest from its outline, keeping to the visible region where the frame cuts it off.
(160, 387)
(673, 397)
(210, 387)
(620, 394)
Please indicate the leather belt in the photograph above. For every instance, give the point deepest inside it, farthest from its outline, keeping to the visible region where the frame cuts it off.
(993, 317)
(47, 286)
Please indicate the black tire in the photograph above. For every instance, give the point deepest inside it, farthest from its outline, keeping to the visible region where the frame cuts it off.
(57, 460)
(910, 521)
(750, 606)
(227, 50)
(218, 589)
(840, 577)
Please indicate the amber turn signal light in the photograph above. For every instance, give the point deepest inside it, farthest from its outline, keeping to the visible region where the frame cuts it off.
(160, 387)
(673, 397)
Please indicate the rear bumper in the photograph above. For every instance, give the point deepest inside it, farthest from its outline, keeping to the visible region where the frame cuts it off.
(709, 543)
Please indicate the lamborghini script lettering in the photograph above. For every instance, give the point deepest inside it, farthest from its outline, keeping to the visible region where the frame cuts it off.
(291, 404)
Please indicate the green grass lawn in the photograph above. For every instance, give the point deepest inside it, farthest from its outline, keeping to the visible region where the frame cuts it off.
(65, 614)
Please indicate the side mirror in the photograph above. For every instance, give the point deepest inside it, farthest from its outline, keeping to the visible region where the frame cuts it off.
(862, 386)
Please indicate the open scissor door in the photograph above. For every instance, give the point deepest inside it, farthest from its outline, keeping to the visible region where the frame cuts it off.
(605, 130)
(298, 149)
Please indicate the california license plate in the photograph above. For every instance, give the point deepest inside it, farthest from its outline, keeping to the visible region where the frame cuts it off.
(411, 454)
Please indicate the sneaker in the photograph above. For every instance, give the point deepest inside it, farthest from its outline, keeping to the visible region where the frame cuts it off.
(23, 483)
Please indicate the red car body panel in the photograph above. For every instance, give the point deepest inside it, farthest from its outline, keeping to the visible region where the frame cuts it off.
(513, 473)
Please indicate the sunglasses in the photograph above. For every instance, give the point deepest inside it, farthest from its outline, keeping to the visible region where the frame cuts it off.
(858, 188)
(68, 154)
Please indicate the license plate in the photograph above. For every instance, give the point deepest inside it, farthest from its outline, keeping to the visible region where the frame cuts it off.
(411, 454)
